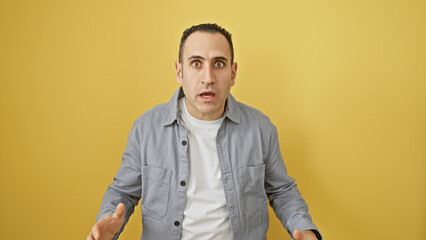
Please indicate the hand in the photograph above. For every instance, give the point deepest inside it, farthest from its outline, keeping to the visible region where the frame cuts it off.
(304, 235)
(107, 227)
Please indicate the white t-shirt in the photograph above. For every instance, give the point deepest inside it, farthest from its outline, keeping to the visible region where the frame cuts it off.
(206, 215)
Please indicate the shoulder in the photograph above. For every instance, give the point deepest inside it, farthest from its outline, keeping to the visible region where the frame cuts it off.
(252, 118)
(152, 117)
(251, 114)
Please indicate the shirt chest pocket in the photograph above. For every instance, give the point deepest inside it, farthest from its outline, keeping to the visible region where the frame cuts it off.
(155, 191)
(253, 189)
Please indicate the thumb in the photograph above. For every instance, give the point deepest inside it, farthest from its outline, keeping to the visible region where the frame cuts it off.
(119, 211)
(298, 235)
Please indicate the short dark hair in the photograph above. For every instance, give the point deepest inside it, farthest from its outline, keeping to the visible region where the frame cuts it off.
(209, 28)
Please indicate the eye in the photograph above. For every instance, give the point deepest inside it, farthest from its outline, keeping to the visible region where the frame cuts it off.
(196, 64)
(219, 64)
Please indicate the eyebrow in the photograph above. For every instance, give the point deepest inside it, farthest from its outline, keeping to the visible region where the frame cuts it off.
(215, 58)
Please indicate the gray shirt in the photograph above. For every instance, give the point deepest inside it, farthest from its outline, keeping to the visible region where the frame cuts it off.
(154, 169)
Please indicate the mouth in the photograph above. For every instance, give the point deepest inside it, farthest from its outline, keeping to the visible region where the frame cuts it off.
(208, 95)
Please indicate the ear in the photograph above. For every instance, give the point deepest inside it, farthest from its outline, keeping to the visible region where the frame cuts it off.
(234, 72)
(179, 73)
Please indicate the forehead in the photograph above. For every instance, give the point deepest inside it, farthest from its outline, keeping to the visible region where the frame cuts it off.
(207, 45)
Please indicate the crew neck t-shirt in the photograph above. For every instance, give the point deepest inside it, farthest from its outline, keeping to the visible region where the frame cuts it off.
(205, 215)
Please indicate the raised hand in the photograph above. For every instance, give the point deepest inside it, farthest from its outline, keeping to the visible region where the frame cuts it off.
(107, 227)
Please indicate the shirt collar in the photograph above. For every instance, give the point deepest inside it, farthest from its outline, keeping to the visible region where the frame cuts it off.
(171, 114)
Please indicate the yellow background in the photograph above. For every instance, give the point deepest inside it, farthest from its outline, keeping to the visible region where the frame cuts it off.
(344, 81)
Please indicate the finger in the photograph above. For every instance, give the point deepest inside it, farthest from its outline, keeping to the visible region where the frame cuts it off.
(90, 237)
(119, 211)
(298, 235)
(95, 232)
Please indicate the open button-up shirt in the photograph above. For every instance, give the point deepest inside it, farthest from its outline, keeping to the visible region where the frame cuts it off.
(154, 170)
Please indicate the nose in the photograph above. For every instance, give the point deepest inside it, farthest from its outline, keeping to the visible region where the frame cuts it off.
(208, 76)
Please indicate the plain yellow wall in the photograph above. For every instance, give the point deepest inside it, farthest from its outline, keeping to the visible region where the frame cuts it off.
(344, 81)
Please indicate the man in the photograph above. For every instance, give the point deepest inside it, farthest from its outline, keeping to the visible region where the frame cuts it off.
(203, 165)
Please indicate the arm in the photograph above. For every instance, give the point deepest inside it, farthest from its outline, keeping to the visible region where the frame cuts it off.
(282, 192)
(126, 187)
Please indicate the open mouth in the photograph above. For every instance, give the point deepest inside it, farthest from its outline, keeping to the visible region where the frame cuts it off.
(207, 95)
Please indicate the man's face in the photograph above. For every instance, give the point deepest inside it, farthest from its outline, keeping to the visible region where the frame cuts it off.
(206, 74)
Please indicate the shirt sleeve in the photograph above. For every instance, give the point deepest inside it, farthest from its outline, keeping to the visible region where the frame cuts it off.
(283, 194)
(126, 187)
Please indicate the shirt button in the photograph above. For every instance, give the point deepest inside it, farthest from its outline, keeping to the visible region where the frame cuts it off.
(177, 223)
(183, 183)
(184, 142)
